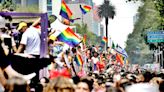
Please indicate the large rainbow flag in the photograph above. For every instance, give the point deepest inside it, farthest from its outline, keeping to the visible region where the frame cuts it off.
(65, 11)
(69, 37)
(85, 8)
(78, 60)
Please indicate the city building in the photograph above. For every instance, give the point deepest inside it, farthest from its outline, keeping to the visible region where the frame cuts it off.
(54, 6)
(46, 5)
(88, 2)
(97, 20)
(89, 18)
(101, 30)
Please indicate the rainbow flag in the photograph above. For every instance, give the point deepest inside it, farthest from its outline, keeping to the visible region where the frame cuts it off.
(85, 8)
(104, 40)
(84, 39)
(65, 11)
(69, 37)
(127, 62)
(119, 59)
(78, 60)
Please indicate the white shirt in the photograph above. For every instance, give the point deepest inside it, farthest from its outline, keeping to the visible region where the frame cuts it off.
(95, 60)
(31, 38)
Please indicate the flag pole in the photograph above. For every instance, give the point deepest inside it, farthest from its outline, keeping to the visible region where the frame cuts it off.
(82, 18)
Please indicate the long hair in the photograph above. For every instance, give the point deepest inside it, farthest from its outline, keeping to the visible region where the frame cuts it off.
(59, 84)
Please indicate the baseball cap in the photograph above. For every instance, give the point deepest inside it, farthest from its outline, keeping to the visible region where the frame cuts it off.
(21, 25)
(2, 22)
(52, 37)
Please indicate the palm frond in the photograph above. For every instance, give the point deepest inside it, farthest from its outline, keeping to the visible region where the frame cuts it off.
(106, 10)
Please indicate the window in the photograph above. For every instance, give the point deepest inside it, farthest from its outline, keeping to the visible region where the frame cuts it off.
(49, 2)
(49, 8)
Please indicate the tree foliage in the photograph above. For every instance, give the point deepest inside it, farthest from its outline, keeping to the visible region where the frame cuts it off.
(106, 10)
(91, 37)
(31, 8)
(9, 5)
(149, 19)
(159, 5)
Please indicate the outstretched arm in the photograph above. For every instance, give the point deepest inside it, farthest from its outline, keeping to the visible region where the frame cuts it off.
(36, 22)
(20, 48)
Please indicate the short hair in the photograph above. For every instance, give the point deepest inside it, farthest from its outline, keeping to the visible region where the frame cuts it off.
(88, 82)
(73, 50)
(76, 79)
(79, 47)
(113, 89)
(161, 86)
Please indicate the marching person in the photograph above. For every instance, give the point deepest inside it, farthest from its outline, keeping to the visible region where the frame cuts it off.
(5, 63)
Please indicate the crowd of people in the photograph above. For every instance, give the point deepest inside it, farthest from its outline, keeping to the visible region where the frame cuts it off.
(78, 69)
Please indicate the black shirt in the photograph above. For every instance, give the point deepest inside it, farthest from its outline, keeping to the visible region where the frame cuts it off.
(4, 62)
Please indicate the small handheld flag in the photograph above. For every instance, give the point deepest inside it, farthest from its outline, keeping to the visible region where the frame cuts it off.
(119, 59)
(78, 60)
(104, 40)
(84, 39)
(113, 45)
(85, 8)
(121, 51)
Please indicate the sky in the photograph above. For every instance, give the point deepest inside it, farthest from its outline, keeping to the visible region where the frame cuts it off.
(122, 24)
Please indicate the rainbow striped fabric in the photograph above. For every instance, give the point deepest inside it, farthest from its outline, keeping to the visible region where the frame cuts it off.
(85, 8)
(119, 59)
(65, 11)
(84, 39)
(104, 40)
(69, 37)
(126, 61)
(78, 60)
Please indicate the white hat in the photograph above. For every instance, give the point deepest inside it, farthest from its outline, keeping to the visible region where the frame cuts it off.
(142, 87)
(2, 22)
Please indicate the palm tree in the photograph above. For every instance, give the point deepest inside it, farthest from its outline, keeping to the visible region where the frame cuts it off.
(107, 11)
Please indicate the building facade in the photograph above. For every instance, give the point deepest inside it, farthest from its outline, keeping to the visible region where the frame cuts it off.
(88, 18)
(53, 7)
(25, 3)
(101, 30)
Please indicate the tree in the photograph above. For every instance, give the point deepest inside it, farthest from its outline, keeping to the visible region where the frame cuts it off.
(159, 5)
(91, 37)
(8, 5)
(52, 18)
(30, 8)
(107, 11)
(149, 19)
